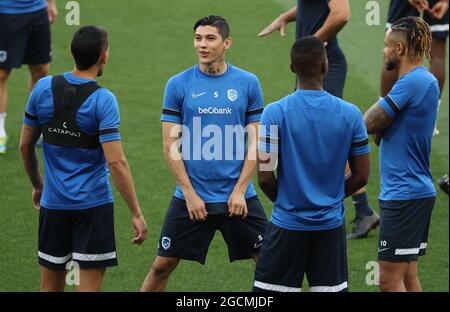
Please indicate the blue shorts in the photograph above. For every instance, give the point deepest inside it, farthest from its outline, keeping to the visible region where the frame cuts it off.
(182, 238)
(402, 8)
(83, 236)
(24, 39)
(287, 255)
(404, 226)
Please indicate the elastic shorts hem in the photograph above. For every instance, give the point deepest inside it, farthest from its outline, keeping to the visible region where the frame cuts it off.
(397, 259)
(183, 256)
(81, 264)
(241, 257)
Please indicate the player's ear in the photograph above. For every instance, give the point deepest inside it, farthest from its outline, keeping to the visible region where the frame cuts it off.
(325, 67)
(292, 68)
(401, 49)
(105, 56)
(228, 42)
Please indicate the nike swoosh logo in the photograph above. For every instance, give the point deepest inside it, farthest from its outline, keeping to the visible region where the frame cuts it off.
(257, 245)
(194, 95)
(380, 250)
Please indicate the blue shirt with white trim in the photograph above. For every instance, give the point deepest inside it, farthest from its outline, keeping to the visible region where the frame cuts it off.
(314, 134)
(214, 111)
(21, 6)
(406, 144)
(75, 178)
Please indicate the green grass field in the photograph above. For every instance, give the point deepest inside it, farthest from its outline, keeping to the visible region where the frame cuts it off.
(150, 41)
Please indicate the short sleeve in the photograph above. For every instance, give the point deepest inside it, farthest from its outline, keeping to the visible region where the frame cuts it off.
(31, 117)
(398, 98)
(360, 141)
(269, 129)
(109, 117)
(173, 99)
(255, 102)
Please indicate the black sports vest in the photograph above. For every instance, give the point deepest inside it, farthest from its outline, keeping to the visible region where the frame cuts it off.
(62, 129)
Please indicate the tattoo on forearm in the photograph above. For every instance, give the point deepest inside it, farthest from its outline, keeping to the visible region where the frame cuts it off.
(376, 119)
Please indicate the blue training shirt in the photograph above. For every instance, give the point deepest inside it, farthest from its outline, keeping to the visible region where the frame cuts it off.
(214, 110)
(75, 178)
(406, 144)
(314, 133)
(21, 6)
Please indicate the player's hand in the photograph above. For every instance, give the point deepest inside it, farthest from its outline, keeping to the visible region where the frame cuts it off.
(439, 9)
(196, 207)
(52, 11)
(377, 139)
(237, 206)
(36, 197)
(140, 229)
(420, 5)
(278, 24)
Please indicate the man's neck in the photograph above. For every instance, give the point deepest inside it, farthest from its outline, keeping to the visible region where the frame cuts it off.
(407, 66)
(310, 84)
(86, 74)
(217, 68)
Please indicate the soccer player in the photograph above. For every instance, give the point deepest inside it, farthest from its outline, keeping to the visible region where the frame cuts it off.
(435, 13)
(312, 134)
(79, 121)
(24, 39)
(204, 104)
(325, 19)
(403, 123)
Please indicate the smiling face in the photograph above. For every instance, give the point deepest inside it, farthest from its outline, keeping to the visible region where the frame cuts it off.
(210, 46)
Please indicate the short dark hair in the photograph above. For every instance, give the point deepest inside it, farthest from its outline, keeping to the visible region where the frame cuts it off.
(215, 21)
(88, 44)
(308, 54)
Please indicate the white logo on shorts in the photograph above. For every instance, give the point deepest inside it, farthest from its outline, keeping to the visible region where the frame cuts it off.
(165, 242)
(232, 95)
(259, 243)
(3, 56)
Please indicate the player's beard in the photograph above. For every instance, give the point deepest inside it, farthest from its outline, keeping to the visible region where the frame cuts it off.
(391, 65)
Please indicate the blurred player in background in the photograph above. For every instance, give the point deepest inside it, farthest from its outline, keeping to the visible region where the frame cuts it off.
(24, 39)
(435, 13)
(80, 122)
(403, 123)
(325, 19)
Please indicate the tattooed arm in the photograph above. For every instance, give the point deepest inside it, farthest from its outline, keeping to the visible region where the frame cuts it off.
(377, 120)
